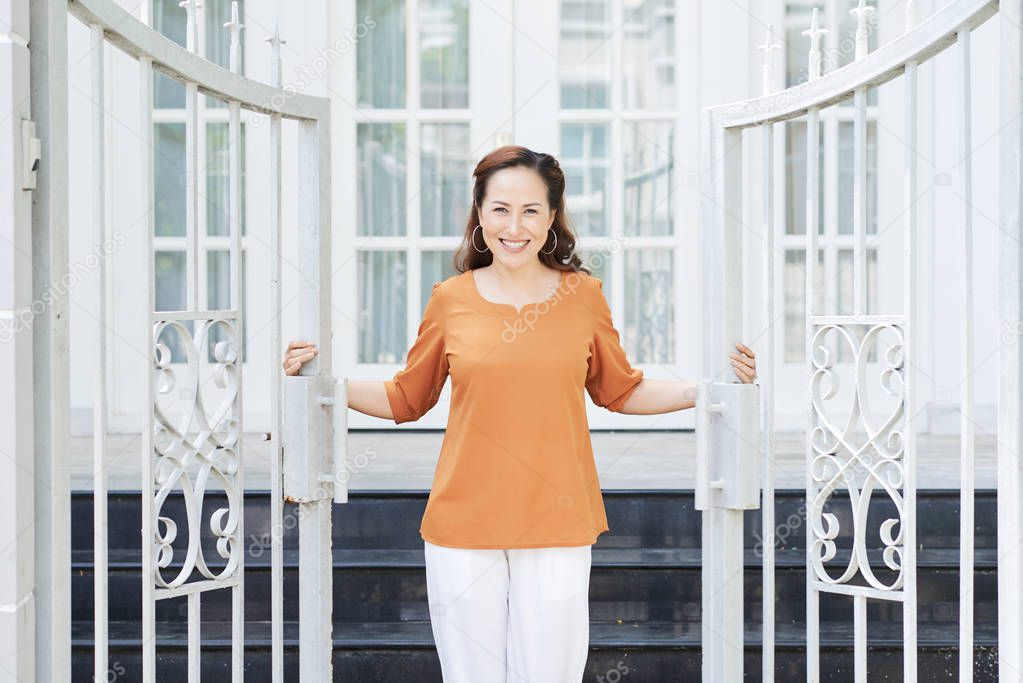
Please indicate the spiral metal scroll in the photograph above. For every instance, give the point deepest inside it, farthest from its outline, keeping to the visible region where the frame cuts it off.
(196, 446)
(839, 459)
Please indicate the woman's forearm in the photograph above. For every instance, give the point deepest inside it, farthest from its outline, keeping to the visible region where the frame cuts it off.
(656, 396)
(369, 397)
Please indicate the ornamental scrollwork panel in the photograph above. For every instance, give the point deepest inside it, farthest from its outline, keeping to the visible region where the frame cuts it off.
(196, 447)
(856, 446)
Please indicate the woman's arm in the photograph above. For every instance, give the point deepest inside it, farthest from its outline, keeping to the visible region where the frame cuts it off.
(366, 396)
(656, 396)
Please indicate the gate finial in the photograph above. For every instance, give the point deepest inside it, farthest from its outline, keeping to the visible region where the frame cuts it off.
(814, 33)
(861, 12)
(191, 23)
(234, 26)
(768, 48)
(276, 41)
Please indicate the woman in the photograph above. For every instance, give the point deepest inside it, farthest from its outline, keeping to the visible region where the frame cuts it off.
(515, 505)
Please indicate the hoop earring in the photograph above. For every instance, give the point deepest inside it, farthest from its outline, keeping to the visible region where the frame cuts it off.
(472, 239)
(555, 243)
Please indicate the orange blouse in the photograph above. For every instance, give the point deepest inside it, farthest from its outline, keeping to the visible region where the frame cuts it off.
(516, 466)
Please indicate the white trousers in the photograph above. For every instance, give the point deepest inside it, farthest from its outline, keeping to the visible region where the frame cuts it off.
(520, 615)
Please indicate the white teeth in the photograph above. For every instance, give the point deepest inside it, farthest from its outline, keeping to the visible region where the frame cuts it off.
(515, 244)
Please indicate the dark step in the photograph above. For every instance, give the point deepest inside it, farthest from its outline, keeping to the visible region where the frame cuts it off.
(644, 596)
(624, 584)
(653, 651)
(638, 519)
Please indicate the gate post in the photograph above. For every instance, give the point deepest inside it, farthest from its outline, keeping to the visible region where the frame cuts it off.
(49, 339)
(723, 493)
(1010, 356)
(316, 485)
(19, 592)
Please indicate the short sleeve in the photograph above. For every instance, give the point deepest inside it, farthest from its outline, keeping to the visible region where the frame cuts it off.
(416, 388)
(610, 379)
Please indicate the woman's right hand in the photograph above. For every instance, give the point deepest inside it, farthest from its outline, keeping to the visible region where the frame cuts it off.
(298, 353)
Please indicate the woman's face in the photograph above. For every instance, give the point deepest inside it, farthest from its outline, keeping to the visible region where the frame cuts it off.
(515, 216)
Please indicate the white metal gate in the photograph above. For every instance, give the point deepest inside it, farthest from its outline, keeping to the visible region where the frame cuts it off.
(192, 439)
(868, 446)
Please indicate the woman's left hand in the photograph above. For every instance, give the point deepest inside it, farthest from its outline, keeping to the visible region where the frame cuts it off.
(744, 363)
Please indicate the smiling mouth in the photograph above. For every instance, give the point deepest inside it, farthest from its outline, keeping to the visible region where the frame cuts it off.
(515, 245)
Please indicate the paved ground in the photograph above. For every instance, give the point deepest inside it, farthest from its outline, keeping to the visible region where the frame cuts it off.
(625, 459)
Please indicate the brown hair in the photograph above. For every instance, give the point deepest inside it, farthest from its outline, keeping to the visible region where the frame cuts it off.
(563, 257)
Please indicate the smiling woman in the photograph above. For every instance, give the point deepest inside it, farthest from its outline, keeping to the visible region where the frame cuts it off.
(524, 332)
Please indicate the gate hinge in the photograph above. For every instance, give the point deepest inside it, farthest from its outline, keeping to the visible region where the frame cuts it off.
(31, 154)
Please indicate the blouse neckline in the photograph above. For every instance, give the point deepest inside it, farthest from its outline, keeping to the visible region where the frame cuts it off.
(509, 310)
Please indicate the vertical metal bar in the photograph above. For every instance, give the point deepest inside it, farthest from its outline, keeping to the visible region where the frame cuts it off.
(148, 504)
(911, 299)
(191, 169)
(966, 422)
(860, 201)
(314, 549)
(194, 636)
(1010, 357)
(766, 366)
(861, 12)
(910, 356)
(617, 258)
(813, 123)
(48, 65)
(234, 137)
(722, 529)
(766, 371)
(413, 169)
(860, 630)
(276, 482)
(99, 405)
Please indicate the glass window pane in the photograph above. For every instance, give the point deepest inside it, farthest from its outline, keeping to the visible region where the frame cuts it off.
(218, 296)
(169, 180)
(846, 168)
(168, 19)
(218, 164)
(797, 46)
(598, 262)
(585, 162)
(795, 179)
(649, 54)
(444, 178)
(585, 54)
(648, 178)
(648, 335)
(444, 53)
(794, 283)
(437, 266)
(383, 288)
(218, 38)
(170, 280)
(381, 179)
(170, 289)
(845, 281)
(380, 56)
